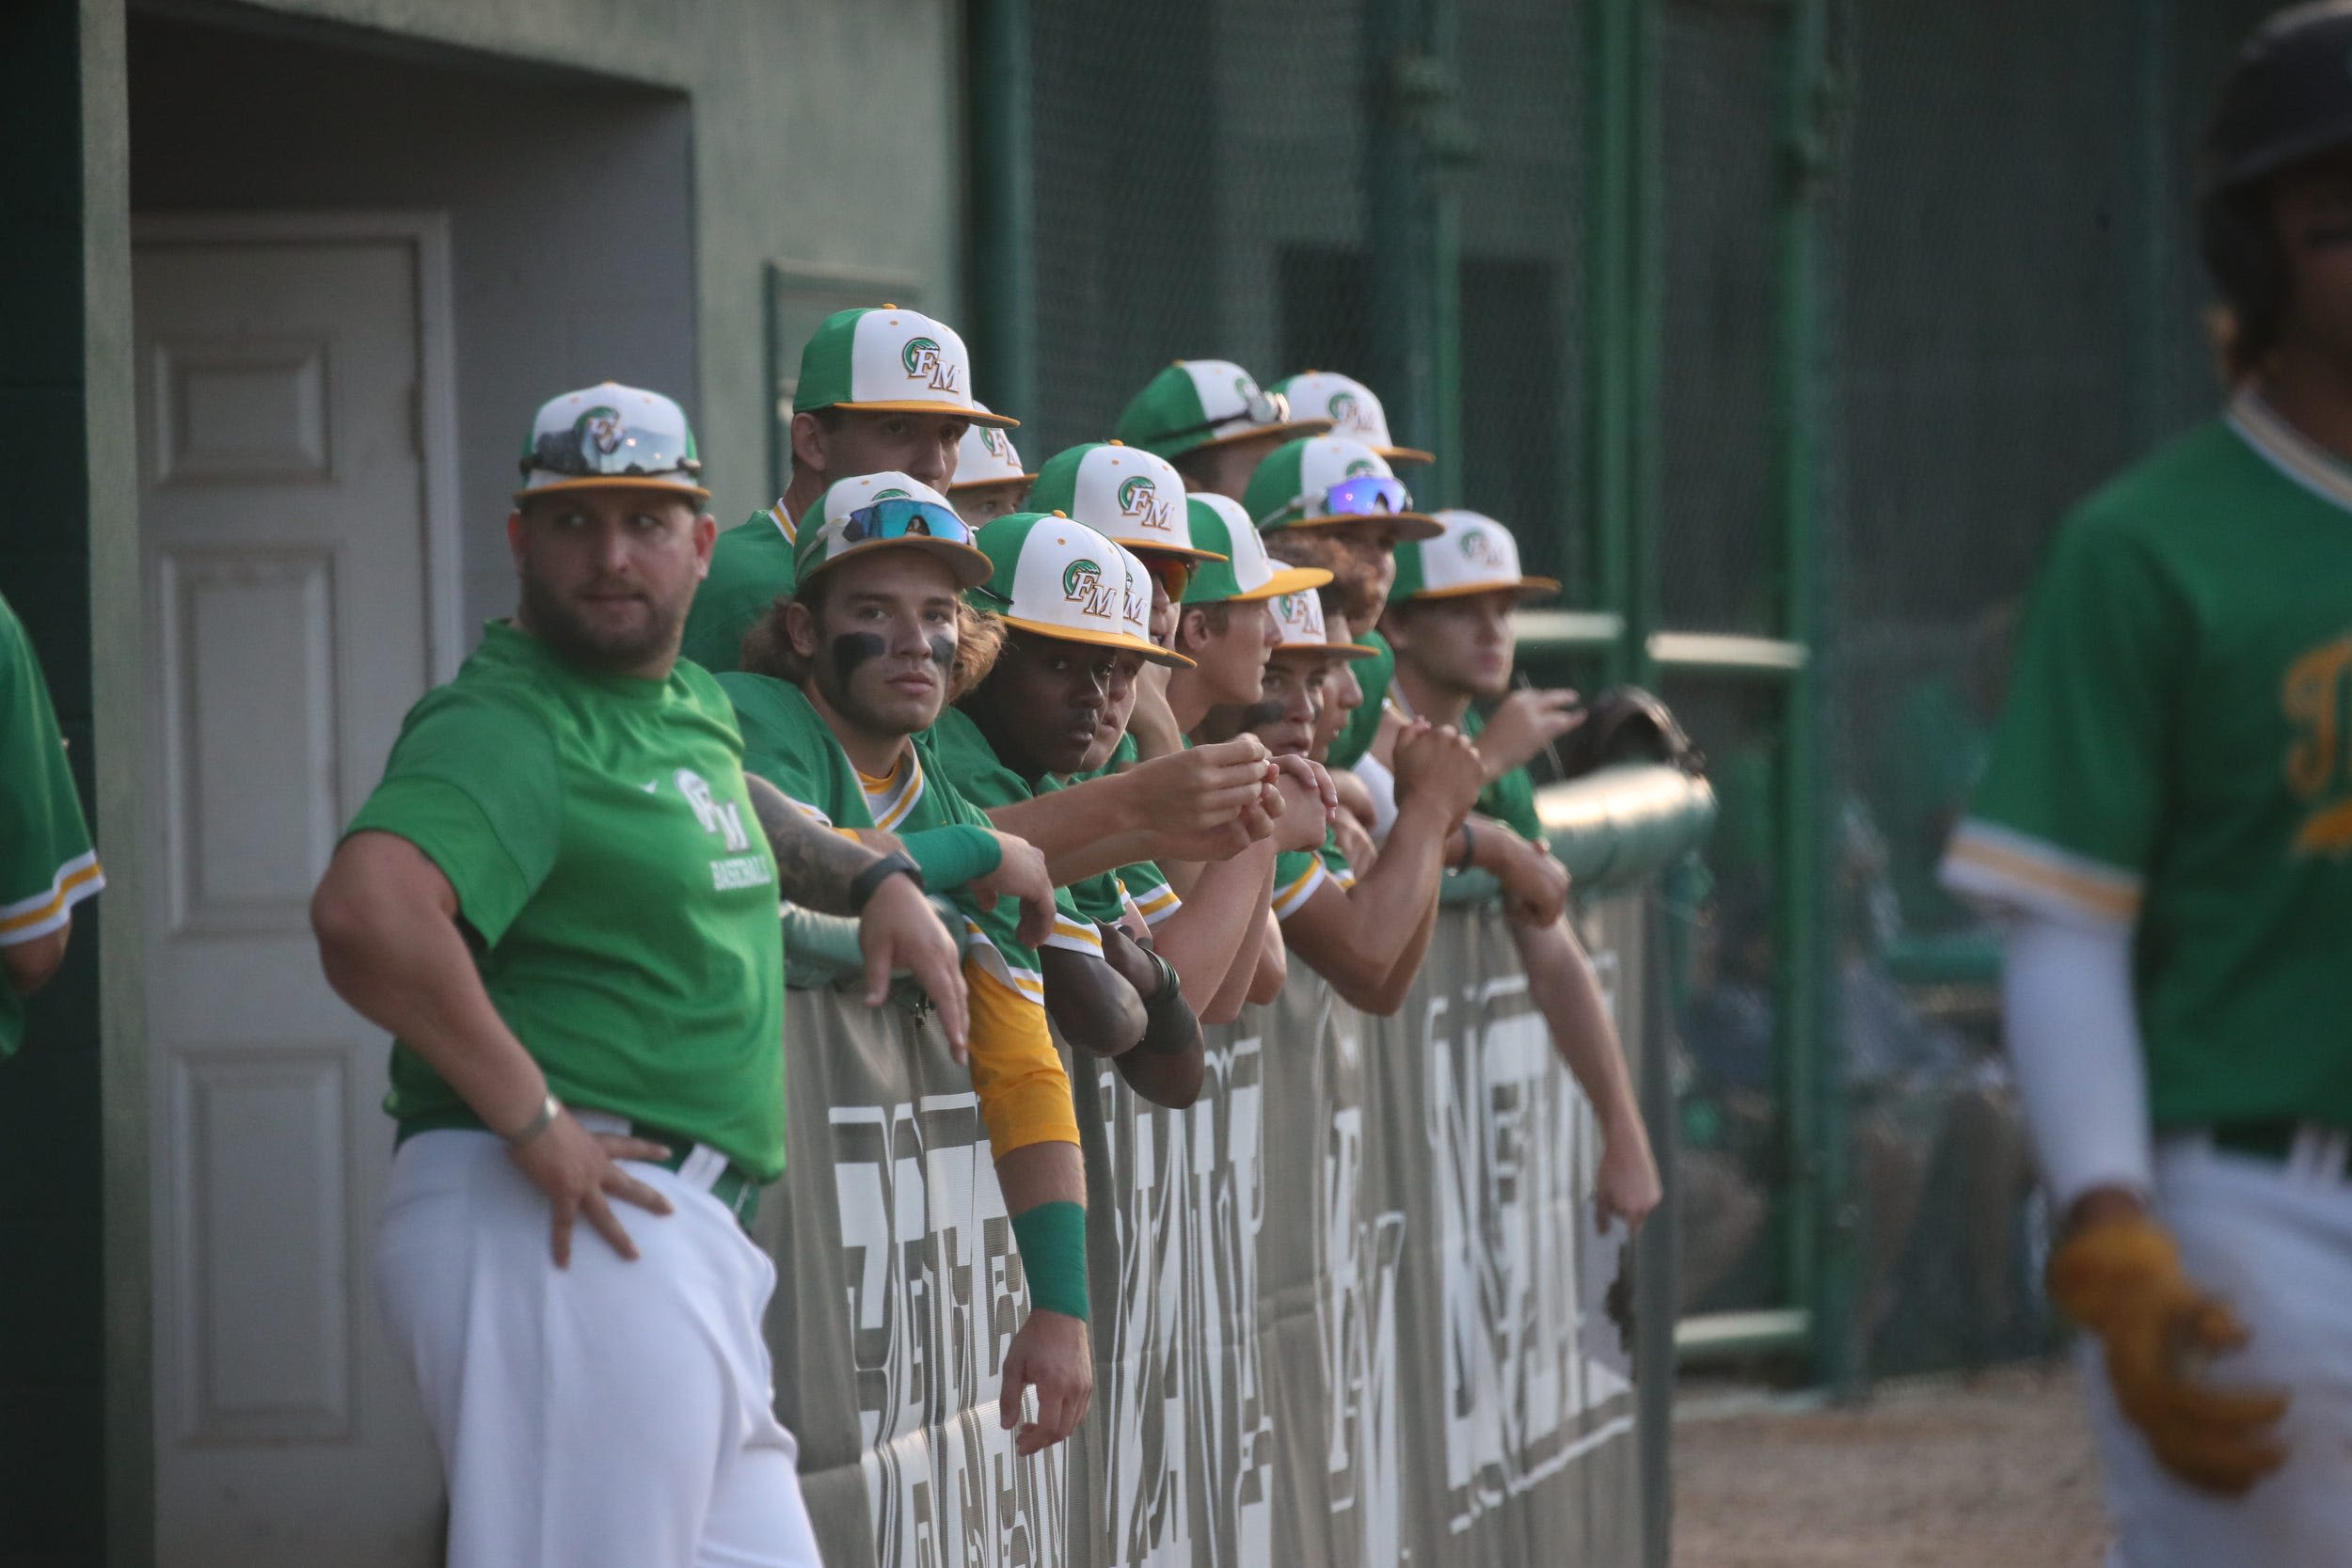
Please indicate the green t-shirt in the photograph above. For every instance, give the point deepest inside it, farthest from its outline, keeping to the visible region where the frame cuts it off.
(964, 755)
(787, 741)
(750, 567)
(1510, 799)
(604, 851)
(2173, 754)
(46, 863)
(1363, 726)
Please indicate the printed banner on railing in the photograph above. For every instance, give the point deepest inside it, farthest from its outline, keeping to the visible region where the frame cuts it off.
(1339, 1311)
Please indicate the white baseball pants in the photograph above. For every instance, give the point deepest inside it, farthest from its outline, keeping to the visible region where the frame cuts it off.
(610, 1415)
(2275, 1241)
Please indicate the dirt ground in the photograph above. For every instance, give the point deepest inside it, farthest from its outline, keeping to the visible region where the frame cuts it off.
(1929, 1474)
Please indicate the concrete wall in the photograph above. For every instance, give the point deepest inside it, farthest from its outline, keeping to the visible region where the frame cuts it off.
(618, 176)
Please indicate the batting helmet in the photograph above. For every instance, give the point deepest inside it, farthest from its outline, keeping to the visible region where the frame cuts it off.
(2288, 97)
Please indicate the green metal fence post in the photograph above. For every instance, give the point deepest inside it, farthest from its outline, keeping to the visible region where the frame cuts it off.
(1003, 205)
(1820, 1220)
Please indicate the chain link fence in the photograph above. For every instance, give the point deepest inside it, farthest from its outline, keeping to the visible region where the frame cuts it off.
(2009, 305)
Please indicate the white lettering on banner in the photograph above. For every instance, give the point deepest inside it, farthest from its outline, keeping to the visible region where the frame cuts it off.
(1188, 1446)
(1514, 1142)
(935, 1296)
(724, 817)
(1355, 1325)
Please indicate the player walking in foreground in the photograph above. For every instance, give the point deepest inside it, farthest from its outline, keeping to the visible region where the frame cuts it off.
(562, 900)
(2166, 821)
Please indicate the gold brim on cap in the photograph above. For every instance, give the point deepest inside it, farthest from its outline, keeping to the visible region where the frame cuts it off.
(1161, 547)
(1405, 454)
(1297, 579)
(1119, 640)
(984, 484)
(614, 482)
(1527, 588)
(1286, 431)
(970, 565)
(1409, 525)
(957, 410)
(1326, 650)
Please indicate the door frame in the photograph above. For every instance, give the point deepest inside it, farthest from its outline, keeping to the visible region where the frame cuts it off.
(132, 1392)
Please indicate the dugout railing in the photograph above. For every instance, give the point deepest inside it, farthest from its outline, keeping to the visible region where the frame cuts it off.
(1346, 1308)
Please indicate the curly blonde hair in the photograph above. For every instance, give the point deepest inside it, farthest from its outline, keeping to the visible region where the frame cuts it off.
(1352, 588)
(768, 647)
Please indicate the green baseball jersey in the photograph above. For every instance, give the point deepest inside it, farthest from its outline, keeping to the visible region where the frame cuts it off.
(750, 567)
(964, 755)
(603, 849)
(787, 741)
(1363, 726)
(1510, 799)
(2176, 753)
(46, 863)
(1141, 887)
(1298, 873)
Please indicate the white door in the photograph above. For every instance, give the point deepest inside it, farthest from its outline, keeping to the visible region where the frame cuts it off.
(284, 500)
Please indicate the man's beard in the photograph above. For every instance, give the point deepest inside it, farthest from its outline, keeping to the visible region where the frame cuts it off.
(554, 623)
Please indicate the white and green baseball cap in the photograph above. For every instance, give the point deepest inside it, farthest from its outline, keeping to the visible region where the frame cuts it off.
(1123, 492)
(1299, 628)
(985, 457)
(1060, 579)
(888, 361)
(1206, 402)
(1240, 570)
(1136, 612)
(885, 512)
(610, 436)
(1355, 410)
(1328, 480)
(1473, 555)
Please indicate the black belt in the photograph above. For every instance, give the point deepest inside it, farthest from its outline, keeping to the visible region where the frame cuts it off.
(737, 1189)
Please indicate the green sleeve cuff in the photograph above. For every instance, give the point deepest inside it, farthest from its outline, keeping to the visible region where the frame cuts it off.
(954, 855)
(1053, 1241)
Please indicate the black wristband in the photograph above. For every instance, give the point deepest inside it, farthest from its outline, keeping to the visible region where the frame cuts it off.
(896, 863)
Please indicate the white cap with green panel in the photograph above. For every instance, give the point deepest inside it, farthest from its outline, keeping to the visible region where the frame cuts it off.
(1355, 410)
(887, 360)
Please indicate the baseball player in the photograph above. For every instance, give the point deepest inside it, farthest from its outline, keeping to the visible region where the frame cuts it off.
(989, 481)
(2166, 822)
(46, 863)
(1366, 935)
(839, 679)
(1212, 420)
(1449, 619)
(561, 901)
(1355, 409)
(881, 391)
(1074, 639)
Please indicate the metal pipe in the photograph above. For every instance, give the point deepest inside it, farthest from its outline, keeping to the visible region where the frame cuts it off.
(1003, 214)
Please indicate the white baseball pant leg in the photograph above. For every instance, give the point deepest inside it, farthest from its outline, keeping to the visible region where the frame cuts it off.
(2275, 1242)
(610, 1415)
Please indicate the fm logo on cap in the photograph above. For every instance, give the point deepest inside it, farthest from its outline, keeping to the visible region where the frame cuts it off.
(1082, 585)
(923, 363)
(1139, 498)
(989, 438)
(1138, 600)
(1480, 547)
(1361, 465)
(1343, 409)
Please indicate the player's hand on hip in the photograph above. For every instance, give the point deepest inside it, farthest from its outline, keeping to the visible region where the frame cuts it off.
(1052, 1354)
(1021, 875)
(2120, 1278)
(577, 1169)
(898, 929)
